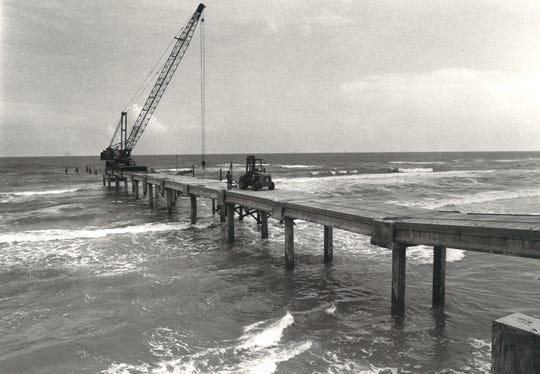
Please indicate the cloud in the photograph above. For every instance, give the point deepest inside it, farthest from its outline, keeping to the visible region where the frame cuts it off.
(448, 91)
(155, 125)
(326, 18)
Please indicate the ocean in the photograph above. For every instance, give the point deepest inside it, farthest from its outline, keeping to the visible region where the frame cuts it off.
(94, 281)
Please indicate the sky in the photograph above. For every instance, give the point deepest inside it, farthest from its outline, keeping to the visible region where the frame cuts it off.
(281, 76)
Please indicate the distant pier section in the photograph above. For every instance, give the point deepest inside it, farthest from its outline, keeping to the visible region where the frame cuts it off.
(392, 227)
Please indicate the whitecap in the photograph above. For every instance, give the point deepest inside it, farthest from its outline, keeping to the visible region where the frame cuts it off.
(415, 170)
(60, 234)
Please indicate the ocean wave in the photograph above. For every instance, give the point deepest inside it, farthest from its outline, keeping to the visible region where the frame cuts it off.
(475, 198)
(58, 234)
(258, 350)
(415, 170)
(10, 196)
(422, 254)
(418, 162)
(326, 173)
(297, 166)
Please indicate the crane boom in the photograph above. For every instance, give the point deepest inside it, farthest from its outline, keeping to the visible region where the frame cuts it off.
(120, 153)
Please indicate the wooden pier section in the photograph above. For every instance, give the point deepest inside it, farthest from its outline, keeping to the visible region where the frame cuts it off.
(389, 226)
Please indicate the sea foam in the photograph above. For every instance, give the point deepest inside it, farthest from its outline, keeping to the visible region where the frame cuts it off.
(257, 351)
(59, 234)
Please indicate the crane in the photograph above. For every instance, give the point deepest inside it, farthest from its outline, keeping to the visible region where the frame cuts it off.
(118, 156)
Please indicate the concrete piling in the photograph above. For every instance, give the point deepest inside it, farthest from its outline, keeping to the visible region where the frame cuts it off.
(399, 260)
(515, 345)
(289, 242)
(439, 274)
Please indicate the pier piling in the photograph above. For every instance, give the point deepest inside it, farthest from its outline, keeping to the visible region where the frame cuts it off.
(328, 244)
(515, 345)
(439, 274)
(399, 260)
(230, 222)
(151, 194)
(193, 203)
(264, 225)
(289, 242)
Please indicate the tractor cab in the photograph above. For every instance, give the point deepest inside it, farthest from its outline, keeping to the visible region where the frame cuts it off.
(256, 176)
(254, 165)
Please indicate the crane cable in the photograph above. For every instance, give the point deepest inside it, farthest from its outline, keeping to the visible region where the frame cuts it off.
(203, 98)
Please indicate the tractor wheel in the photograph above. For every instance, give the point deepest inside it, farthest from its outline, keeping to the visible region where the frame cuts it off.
(271, 185)
(243, 183)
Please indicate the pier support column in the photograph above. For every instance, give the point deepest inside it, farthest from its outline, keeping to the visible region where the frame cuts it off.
(169, 199)
(157, 191)
(398, 279)
(213, 206)
(193, 201)
(104, 182)
(230, 221)
(136, 189)
(222, 212)
(264, 225)
(289, 242)
(240, 213)
(126, 185)
(439, 274)
(117, 184)
(328, 244)
(150, 194)
(144, 187)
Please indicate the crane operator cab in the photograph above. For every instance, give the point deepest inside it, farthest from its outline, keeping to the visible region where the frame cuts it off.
(256, 176)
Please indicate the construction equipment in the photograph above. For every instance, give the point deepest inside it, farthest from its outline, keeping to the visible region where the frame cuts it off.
(256, 176)
(118, 156)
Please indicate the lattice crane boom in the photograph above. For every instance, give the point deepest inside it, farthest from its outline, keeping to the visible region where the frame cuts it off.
(120, 153)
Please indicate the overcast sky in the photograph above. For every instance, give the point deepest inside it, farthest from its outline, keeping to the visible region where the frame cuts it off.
(282, 76)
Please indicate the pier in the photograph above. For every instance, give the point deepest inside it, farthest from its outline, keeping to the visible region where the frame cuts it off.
(390, 227)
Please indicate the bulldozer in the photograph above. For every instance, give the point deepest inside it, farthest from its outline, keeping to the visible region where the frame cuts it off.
(256, 176)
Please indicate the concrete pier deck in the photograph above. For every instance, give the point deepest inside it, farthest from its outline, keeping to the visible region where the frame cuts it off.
(389, 226)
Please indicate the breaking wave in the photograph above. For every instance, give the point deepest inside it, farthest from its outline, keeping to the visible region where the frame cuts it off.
(57, 234)
(257, 351)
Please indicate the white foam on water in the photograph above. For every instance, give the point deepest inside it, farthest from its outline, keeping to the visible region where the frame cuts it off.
(268, 336)
(258, 350)
(338, 366)
(58, 234)
(331, 309)
(415, 170)
(45, 192)
(474, 198)
(421, 254)
(418, 162)
(297, 166)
